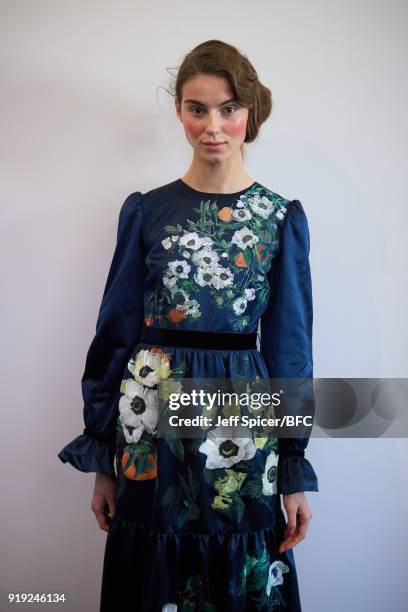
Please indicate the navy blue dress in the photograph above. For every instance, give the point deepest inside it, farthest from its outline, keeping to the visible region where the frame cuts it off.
(196, 528)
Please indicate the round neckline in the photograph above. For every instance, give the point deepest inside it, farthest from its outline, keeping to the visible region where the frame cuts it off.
(210, 193)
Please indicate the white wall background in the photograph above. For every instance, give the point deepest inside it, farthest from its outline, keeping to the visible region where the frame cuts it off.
(82, 126)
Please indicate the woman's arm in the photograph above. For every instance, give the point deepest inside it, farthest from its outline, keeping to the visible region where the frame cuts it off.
(286, 341)
(118, 330)
(286, 345)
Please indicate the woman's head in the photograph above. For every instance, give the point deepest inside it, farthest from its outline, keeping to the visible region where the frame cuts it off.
(219, 98)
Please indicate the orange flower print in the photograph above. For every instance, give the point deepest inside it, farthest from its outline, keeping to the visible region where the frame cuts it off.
(131, 471)
(176, 316)
(161, 353)
(240, 260)
(149, 320)
(225, 214)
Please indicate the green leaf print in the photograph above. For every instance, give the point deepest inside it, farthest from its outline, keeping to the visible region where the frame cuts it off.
(190, 512)
(241, 324)
(177, 447)
(171, 498)
(264, 294)
(248, 257)
(275, 599)
(181, 498)
(255, 577)
(171, 229)
(227, 483)
(261, 578)
(192, 597)
(194, 446)
(192, 483)
(185, 489)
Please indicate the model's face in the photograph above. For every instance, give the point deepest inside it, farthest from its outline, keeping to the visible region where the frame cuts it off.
(209, 114)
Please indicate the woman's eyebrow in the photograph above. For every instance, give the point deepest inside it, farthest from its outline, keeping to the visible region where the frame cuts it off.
(189, 101)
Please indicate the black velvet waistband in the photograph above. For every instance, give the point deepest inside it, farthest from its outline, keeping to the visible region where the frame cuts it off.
(197, 339)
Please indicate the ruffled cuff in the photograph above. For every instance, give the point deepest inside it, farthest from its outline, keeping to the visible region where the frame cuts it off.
(295, 474)
(89, 454)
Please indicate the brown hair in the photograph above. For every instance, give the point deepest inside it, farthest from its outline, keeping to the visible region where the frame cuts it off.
(224, 60)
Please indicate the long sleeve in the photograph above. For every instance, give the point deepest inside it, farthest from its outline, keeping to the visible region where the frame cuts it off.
(118, 329)
(286, 339)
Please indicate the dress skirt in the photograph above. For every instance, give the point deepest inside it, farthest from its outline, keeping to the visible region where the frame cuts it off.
(195, 528)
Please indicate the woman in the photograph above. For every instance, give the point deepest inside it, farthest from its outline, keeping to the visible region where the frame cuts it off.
(196, 523)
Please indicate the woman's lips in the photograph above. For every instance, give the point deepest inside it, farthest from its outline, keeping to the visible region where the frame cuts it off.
(213, 145)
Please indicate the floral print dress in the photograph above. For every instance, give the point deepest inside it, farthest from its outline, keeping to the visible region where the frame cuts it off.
(198, 521)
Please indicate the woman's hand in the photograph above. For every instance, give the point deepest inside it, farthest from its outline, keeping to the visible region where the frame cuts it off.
(103, 500)
(299, 515)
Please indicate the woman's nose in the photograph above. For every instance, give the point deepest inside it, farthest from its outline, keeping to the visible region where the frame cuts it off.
(213, 123)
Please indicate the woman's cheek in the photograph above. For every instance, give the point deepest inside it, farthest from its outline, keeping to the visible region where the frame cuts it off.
(192, 128)
(237, 129)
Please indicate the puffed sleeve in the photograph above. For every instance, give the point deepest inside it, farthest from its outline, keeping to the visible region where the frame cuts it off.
(118, 329)
(286, 339)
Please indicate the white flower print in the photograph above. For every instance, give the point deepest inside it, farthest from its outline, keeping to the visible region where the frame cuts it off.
(186, 254)
(261, 205)
(191, 240)
(269, 477)
(242, 201)
(207, 241)
(205, 258)
(138, 408)
(169, 607)
(169, 280)
(225, 452)
(243, 214)
(195, 314)
(174, 238)
(183, 301)
(244, 237)
(180, 297)
(149, 367)
(275, 577)
(223, 277)
(239, 305)
(132, 434)
(203, 276)
(249, 294)
(166, 243)
(192, 307)
(179, 268)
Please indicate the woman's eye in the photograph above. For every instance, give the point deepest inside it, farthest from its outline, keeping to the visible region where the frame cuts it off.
(233, 108)
(199, 111)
